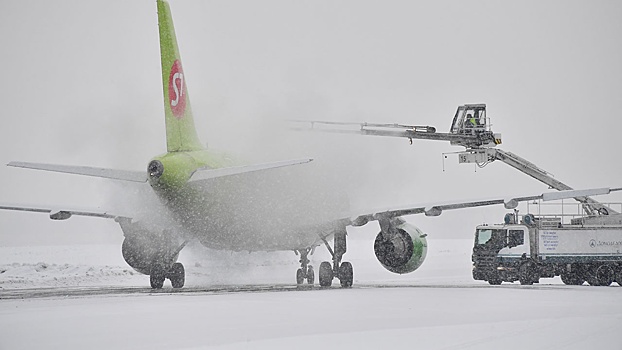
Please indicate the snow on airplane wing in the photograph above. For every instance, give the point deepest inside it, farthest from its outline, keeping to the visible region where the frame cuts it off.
(508, 202)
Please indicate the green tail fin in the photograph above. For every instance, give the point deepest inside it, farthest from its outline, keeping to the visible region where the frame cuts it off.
(181, 134)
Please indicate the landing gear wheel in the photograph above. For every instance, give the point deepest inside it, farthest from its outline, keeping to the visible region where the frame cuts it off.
(326, 274)
(177, 275)
(310, 275)
(346, 275)
(300, 277)
(157, 276)
(305, 272)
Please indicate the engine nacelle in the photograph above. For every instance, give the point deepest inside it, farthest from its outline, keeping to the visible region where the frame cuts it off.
(142, 247)
(403, 249)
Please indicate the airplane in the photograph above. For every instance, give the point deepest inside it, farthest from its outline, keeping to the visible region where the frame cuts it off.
(206, 196)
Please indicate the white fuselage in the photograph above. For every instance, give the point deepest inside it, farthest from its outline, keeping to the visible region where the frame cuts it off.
(280, 209)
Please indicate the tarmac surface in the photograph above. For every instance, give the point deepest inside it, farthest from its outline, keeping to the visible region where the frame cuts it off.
(74, 292)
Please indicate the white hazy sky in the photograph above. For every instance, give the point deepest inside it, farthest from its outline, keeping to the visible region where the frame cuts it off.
(81, 85)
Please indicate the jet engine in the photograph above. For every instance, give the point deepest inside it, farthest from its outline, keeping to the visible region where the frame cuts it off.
(142, 247)
(400, 247)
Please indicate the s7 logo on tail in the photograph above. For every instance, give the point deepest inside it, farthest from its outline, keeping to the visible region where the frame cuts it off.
(180, 77)
(176, 89)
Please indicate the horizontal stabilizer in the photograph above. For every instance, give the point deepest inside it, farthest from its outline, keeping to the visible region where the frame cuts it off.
(125, 175)
(60, 214)
(205, 173)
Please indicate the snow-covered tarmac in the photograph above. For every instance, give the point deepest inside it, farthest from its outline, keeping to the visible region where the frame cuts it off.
(437, 307)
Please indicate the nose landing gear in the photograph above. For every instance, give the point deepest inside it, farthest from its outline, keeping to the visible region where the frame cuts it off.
(305, 272)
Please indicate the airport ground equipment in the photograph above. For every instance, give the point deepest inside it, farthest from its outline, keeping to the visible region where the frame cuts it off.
(544, 247)
(471, 129)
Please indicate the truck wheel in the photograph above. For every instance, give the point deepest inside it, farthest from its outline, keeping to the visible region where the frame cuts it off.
(591, 279)
(495, 281)
(600, 275)
(526, 274)
(571, 279)
(618, 275)
(605, 275)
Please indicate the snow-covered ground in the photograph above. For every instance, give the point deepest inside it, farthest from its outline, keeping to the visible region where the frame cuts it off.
(438, 306)
(448, 262)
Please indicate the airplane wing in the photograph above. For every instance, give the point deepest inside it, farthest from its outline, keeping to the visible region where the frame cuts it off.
(354, 220)
(509, 203)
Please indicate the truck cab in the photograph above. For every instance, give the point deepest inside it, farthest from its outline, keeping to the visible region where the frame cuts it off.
(498, 252)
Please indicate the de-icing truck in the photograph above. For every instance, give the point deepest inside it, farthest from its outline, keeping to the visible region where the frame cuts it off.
(584, 250)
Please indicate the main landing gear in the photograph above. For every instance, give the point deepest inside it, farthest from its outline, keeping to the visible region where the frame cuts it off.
(176, 274)
(164, 267)
(153, 253)
(328, 272)
(342, 271)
